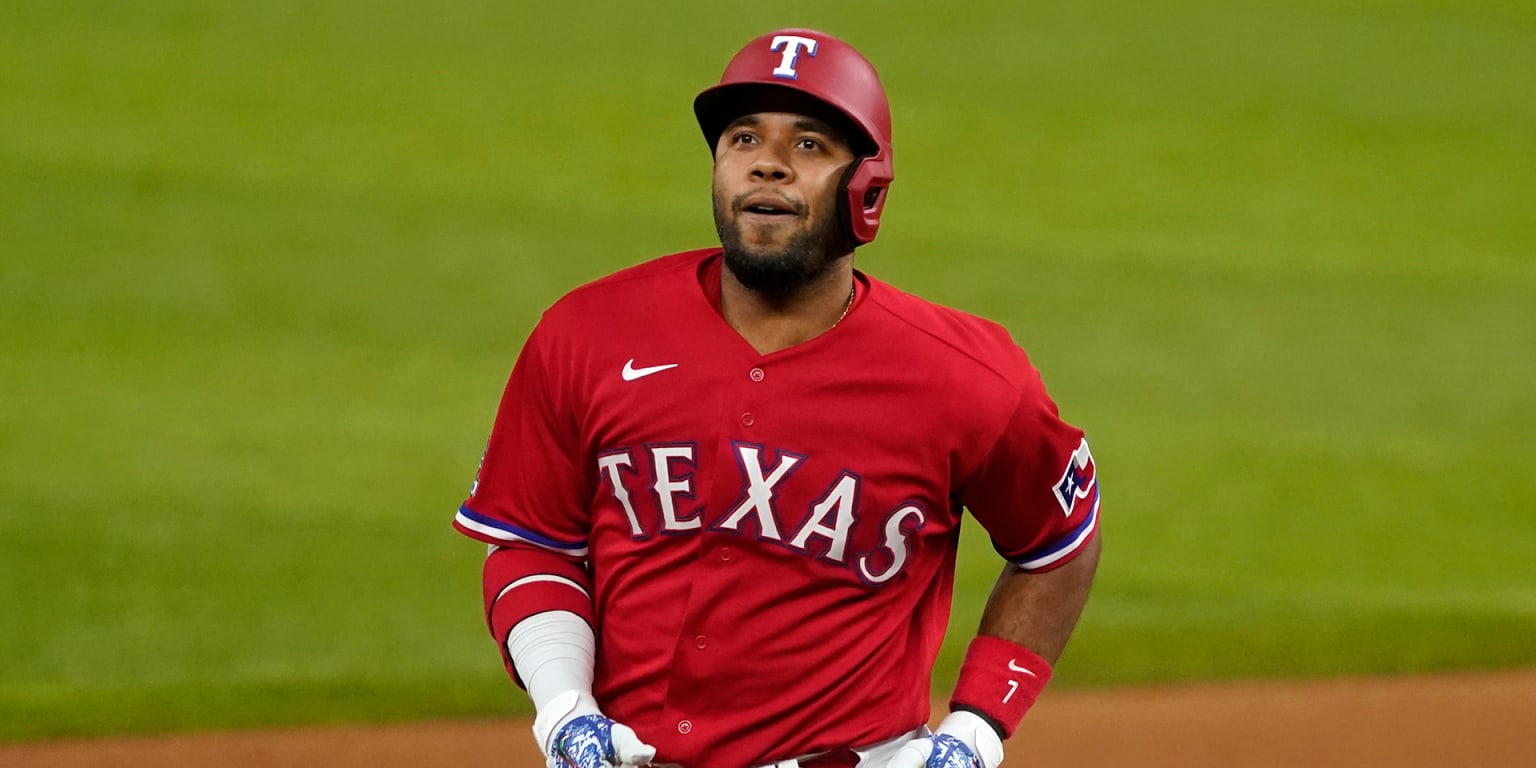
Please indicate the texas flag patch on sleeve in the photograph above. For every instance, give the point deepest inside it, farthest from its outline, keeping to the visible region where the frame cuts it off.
(1077, 480)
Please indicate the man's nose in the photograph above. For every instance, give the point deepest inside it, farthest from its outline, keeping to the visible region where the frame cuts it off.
(770, 165)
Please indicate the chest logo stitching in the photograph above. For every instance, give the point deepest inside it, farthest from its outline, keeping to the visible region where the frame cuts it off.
(631, 373)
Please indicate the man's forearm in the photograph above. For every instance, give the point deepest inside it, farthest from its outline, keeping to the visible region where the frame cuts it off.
(1025, 626)
(1040, 610)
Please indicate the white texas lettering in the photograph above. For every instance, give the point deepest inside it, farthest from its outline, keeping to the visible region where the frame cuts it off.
(759, 496)
(609, 465)
(838, 503)
(667, 487)
(894, 541)
(831, 517)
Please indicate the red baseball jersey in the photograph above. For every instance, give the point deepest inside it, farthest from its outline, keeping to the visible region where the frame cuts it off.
(771, 539)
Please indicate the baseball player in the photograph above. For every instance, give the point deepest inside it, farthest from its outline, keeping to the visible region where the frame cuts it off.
(724, 488)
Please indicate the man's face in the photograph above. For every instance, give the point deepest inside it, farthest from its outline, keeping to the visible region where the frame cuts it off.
(775, 197)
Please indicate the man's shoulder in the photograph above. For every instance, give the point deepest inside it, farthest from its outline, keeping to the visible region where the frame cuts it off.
(641, 285)
(672, 265)
(952, 334)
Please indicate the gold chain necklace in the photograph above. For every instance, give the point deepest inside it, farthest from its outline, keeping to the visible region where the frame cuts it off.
(852, 289)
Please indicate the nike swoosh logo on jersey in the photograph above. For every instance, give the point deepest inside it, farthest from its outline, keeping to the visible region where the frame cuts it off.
(1015, 667)
(631, 372)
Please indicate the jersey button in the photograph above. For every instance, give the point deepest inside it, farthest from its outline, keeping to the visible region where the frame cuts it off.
(685, 727)
(756, 374)
(701, 641)
(725, 554)
(748, 419)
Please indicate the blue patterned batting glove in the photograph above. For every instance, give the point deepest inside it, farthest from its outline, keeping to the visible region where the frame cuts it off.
(586, 742)
(950, 752)
(584, 738)
(963, 740)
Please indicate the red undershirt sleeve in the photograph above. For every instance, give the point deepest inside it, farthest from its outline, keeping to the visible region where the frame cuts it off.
(520, 581)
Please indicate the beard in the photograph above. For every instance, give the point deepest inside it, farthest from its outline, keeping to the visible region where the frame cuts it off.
(778, 271)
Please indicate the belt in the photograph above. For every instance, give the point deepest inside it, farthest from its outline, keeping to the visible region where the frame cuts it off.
(872, 755)
(842, 758)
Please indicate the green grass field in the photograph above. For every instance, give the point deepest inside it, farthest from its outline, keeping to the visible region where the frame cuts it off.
(264, 267)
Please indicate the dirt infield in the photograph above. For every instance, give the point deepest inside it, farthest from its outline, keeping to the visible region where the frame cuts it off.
(1485, 721)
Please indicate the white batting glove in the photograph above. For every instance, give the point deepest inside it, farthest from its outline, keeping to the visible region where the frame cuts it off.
(573, 733)
(963, 740)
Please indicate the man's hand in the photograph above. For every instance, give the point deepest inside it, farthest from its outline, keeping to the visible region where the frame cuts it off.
(574, 734)
(594, 741)
(963, 740)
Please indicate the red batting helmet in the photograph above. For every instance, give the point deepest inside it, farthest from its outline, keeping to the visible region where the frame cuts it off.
(832, 72)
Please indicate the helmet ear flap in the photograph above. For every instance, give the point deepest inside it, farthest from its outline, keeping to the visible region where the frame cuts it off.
(862, 195)
(846, 204)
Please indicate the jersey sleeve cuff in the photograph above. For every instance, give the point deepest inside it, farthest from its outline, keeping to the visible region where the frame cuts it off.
(500, 532)
(1059, 552)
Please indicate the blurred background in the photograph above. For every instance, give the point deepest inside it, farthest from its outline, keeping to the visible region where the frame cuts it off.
(264, 267)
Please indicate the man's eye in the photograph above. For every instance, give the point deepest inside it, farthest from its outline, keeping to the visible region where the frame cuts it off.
(743, 138)
(810, 144)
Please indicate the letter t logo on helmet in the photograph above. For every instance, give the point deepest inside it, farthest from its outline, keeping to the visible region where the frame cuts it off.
(791, 45)
(815, 64)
